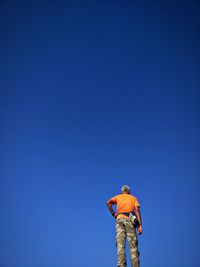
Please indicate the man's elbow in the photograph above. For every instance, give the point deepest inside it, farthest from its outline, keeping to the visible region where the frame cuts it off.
(108, 203)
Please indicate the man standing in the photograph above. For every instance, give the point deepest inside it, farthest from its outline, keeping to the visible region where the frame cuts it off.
(125, 228)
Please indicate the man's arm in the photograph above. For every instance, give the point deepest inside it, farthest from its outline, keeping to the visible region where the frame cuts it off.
(138, 214)
(109, 205)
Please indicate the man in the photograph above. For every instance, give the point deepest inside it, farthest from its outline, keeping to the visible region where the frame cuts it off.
(126, 204)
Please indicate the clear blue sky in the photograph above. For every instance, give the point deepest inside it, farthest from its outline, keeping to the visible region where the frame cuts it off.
(94, 95)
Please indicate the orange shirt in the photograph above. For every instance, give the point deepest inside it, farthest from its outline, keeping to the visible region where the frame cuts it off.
(125, 203)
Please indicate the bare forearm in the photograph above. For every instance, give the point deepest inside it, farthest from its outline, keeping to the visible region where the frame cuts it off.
(109, 205)
(138, 214)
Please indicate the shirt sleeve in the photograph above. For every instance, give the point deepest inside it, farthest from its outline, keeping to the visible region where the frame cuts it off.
(113, 200)
(136, 204)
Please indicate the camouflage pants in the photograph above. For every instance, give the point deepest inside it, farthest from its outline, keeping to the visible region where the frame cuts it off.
(125, 229)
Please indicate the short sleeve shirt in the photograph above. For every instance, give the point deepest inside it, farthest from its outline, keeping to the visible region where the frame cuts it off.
(125, 203)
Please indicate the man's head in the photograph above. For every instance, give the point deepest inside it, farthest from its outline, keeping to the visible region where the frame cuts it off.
(126, 189)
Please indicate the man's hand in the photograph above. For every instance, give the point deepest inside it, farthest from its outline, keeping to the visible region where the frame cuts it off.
(137, 212)
(139, 230)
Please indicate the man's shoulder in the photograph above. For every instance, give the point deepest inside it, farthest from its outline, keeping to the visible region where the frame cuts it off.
(118, 196)
(133, 196)
(115, 197)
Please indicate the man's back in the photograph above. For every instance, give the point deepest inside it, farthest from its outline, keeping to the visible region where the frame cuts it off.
(125, 203)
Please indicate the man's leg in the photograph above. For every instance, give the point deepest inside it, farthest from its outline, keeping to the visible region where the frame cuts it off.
(133, 244)
(121, 241)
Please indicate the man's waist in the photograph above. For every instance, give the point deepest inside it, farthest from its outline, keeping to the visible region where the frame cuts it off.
(123, 214)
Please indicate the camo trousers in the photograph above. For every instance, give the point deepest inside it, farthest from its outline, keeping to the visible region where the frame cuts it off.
(125, 229)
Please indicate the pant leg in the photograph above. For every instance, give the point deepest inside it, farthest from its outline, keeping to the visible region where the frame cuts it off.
(133, 244)
(121, 242)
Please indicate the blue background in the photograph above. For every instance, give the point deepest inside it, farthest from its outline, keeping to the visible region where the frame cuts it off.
(94, 95)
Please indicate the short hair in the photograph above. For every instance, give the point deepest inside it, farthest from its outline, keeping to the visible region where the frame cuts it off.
(126, 188)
